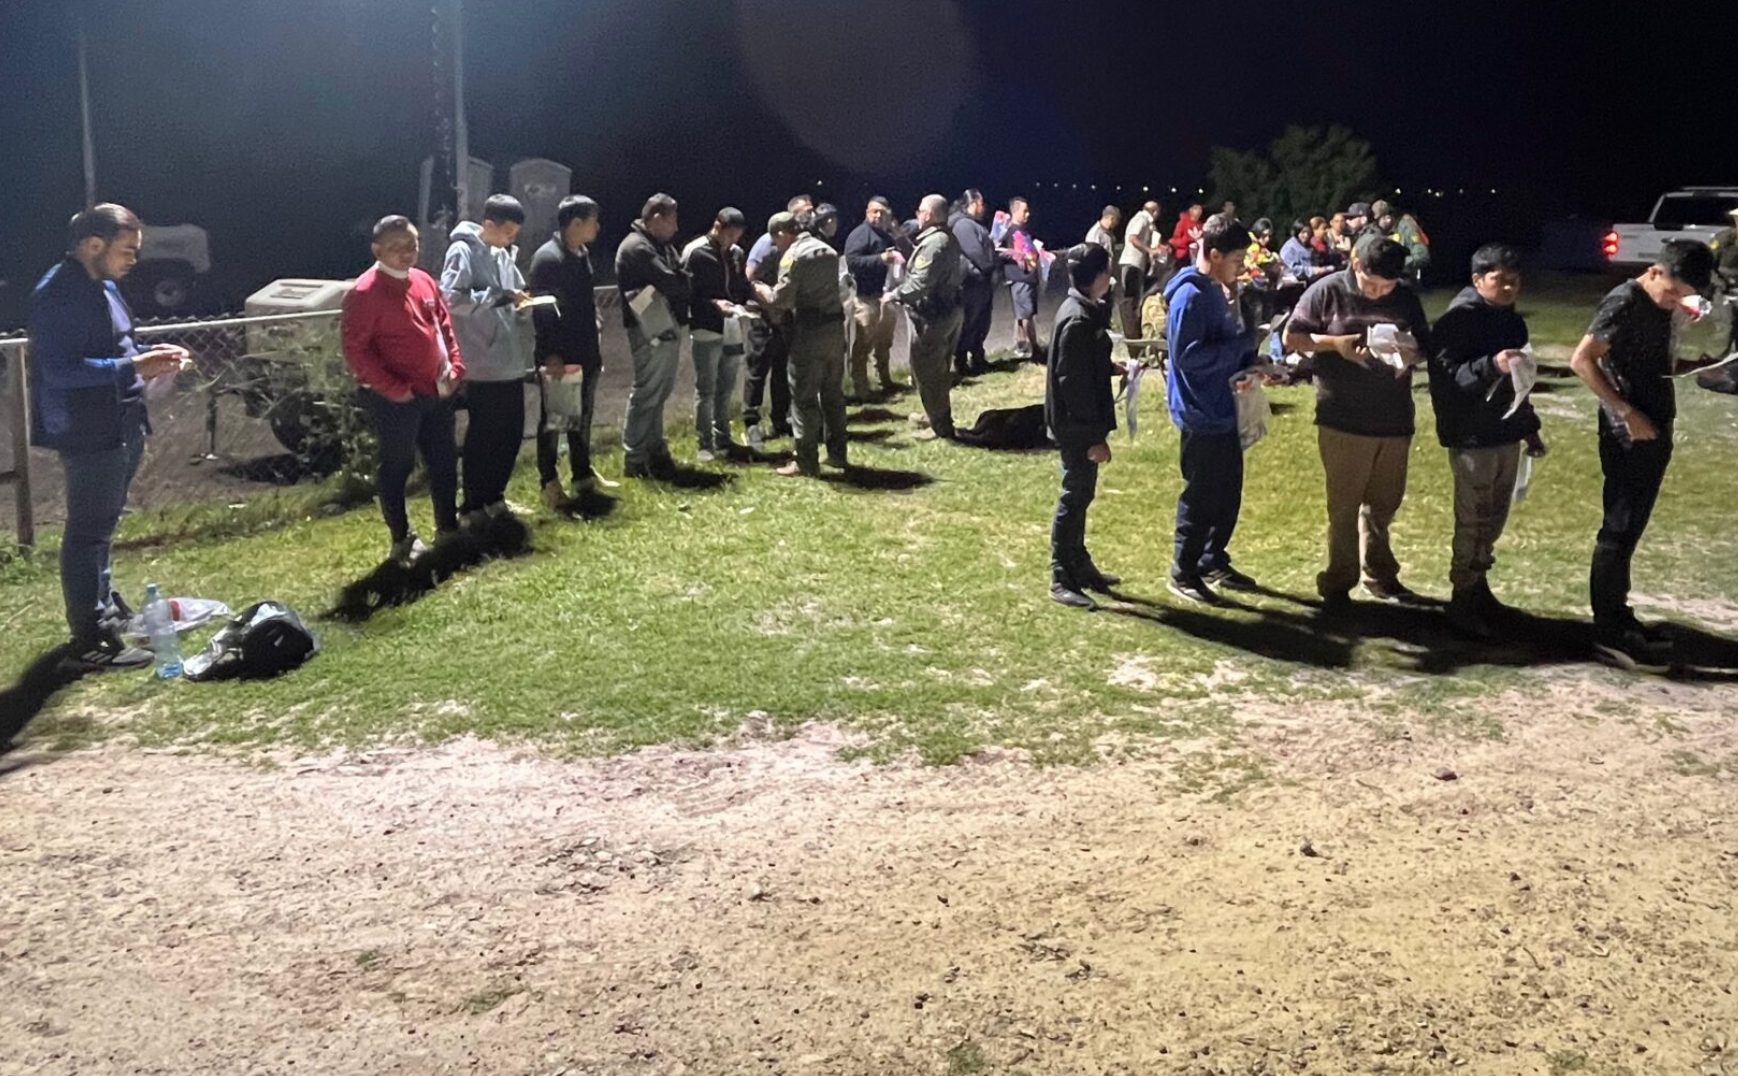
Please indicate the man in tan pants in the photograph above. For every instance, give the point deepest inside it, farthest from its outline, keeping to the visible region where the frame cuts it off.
(1364, 413)
(871, 253)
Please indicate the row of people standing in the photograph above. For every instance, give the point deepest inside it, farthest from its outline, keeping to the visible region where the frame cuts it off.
(1365, 421)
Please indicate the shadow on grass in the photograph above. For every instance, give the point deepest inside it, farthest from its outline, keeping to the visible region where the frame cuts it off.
(869, 416)
(34, 689)
(684, 477)
(856, 476)
(589, 504)
(868, 435)
(392, 584)
(1271, 633)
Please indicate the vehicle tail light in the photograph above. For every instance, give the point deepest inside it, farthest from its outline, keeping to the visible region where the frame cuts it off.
(1609, 245)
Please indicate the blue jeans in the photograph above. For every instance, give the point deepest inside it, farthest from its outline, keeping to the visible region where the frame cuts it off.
(715, 374)
(96, 492)
(655, 366)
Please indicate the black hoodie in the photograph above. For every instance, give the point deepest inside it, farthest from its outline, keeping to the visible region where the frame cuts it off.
(1463, 375)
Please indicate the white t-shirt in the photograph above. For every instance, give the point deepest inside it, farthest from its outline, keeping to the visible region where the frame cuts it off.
(1140, 226)
(1097, 234)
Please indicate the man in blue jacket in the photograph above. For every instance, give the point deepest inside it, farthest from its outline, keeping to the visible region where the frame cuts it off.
(1209, 346)
(87, 396)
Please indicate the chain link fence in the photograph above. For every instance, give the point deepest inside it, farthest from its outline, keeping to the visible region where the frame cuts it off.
(268, 403)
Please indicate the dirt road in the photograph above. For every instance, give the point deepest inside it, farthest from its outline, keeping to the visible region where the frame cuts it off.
(1560, 900)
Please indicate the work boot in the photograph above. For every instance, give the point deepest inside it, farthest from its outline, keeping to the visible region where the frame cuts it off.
(1466, 615)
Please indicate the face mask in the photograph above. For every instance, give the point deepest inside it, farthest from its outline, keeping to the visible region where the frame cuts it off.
(397, 274)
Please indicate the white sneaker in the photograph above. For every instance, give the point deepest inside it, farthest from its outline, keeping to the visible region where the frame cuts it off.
(704, 456)
(597, 481)
(407, 550)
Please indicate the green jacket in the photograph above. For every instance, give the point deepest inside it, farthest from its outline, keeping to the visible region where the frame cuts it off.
(932, 286)
(1409, 235)
(1725, 246)
(808, 281)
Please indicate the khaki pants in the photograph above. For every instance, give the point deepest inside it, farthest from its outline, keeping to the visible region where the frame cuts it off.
(932, 348)
(817, 365)
(1366, 480)
(1484, 487)
(874, 323)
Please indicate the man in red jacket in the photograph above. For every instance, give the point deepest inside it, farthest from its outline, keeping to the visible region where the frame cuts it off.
(1186, 235)
(398, 341)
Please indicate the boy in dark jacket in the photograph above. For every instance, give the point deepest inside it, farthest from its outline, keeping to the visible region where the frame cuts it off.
(1209, 346)
(567, 337)
(1080, 410)
(1475, 344)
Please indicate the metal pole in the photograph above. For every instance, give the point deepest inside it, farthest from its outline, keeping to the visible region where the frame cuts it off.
(18, 417)
(84, 104)
(461, 129)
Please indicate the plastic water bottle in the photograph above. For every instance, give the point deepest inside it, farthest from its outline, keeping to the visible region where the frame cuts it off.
(160, 629)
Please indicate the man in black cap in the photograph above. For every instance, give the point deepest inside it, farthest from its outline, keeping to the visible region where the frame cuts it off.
(1357, 221)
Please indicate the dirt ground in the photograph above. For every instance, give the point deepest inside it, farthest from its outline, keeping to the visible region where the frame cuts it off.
(1558, 900)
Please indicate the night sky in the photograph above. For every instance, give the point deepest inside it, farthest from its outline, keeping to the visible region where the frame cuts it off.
(285, 127)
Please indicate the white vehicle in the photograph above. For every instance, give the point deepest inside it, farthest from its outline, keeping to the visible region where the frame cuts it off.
(172, 260)
(1687, 213)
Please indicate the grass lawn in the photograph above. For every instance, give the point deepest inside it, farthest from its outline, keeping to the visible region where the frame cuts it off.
(918, 618)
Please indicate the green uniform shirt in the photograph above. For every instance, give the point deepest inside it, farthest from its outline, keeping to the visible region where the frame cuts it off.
(934, 278)
(808, 280)
(1725, 247)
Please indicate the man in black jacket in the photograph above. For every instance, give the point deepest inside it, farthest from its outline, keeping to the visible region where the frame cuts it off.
(567, 340)
(1080, 409)
(649, 274)
(869, 252)
(1475, 344)
(978, 286)
(714, 264)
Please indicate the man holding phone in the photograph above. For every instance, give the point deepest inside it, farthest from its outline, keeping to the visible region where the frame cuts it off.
(1364, 412)
(87, 389)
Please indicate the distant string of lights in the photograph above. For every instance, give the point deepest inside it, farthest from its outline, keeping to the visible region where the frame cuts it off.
(1144, 188)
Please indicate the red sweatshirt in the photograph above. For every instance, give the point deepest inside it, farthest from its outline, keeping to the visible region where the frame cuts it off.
(393, 330)
(1188, 230)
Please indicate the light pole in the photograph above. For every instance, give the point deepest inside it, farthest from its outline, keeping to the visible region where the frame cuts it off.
(84, 107)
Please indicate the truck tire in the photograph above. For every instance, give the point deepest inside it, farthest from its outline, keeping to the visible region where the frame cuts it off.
(162, 288)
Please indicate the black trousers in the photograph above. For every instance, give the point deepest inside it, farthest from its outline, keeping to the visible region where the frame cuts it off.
(492, 440)
(423, 424)
(1633, 473)
(1132, 279)
(978, 300)
(1208, 507)
(1070, 563)
(578, 441)
(769, 354)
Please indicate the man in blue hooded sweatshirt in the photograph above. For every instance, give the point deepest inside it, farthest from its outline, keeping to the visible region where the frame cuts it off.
(1209, 346)
(486, 293)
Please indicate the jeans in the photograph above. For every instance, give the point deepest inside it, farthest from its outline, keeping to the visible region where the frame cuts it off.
(425, 424)
(1366, 480)
(1633, 474)
(769, 346)
(1211, 500)
(715, 373)
(492, 438)
(817, 366)
(978, 301)
(1069, 560)
(655, 366)
(96, 492)
(578, 440)
(932, 345)
(1484, 488)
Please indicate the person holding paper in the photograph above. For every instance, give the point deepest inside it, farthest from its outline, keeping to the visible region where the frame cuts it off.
(87, 403)
(567, 342)
(1478, 347)
(932, 292)
(980, 269)
(1019, 256)
(486, 294)
(400, 345)
(714, 264)
(1209, 347)
(769, 343)
(1080, 411)
(655, 293)
(1626, 358)
(808, 291)
(1364, 411)
(870, 252)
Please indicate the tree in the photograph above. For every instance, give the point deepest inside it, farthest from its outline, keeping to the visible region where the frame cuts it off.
(1306, 171)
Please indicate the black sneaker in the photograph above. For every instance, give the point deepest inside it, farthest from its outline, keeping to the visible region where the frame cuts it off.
(1100, 581)
(1631, 650)
(1395, 593)
(1337, 604)
(637, 469)
(1192, 588)
(104, 653)
(1231, 579)
(1466, 615)
(1064, 594)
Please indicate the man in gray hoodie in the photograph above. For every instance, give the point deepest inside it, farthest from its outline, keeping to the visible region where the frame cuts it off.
(486, 292)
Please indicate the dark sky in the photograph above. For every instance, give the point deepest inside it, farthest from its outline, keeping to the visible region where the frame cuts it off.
(283, 127)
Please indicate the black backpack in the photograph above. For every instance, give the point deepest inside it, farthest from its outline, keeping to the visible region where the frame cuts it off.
(264, 640)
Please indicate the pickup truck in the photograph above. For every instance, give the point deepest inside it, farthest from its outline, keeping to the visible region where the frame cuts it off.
(1687, 213)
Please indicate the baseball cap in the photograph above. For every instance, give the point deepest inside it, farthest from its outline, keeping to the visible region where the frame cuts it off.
(1380, 209)
(1358, 209)
(781, 222)
(1380, 256)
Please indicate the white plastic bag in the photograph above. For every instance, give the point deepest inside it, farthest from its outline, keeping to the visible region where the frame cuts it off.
(563, 405)
(187, 613)
(1253, 410)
